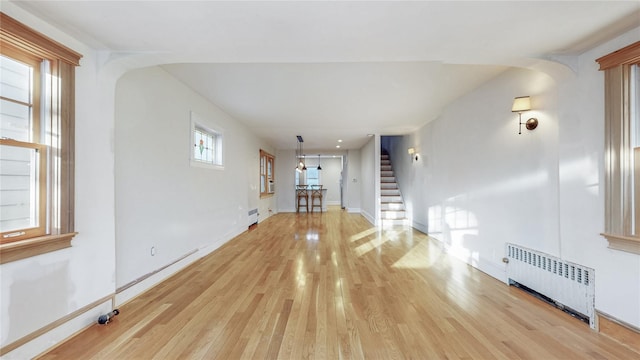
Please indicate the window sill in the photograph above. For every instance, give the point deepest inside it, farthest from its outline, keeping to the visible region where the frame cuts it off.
(31, 247)
(629, 244)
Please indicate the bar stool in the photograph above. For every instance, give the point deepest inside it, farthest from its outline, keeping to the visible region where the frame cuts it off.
(316, 193)
(302, 193)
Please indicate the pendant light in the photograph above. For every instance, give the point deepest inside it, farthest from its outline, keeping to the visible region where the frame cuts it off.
(297, 157)
(319, 167)
(301, 166)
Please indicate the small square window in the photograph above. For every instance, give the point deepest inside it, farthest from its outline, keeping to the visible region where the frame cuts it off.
(206, 144)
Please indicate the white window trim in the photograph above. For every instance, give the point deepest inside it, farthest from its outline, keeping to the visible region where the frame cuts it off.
(197, 121)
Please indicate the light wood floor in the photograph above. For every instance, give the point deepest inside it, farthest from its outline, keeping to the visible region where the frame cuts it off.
(330, 286)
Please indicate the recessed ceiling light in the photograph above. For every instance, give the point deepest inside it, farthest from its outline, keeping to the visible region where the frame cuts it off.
(369, 135)
(339, 140)
(337, 146)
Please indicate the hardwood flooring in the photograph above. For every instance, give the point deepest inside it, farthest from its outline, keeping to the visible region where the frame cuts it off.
(330, 286)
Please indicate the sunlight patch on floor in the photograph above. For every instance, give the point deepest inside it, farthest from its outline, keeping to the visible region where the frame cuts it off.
(422, 256)
(377, 242)
(372, 244)
(362, 234)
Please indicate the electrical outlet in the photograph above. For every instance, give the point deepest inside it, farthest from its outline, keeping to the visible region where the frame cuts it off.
(153, 251)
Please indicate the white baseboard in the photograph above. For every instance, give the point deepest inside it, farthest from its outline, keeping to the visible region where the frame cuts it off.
(369, 217)
(354, 210)
(420, 227)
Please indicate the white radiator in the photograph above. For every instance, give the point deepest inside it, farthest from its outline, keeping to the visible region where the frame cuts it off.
(253, 217)
(570, 286)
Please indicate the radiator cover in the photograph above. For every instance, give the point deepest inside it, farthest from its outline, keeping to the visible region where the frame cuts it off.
(568, 284)
(252, 217)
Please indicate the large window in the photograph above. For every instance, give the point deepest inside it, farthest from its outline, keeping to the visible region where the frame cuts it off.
(267, 177)
(22, 156)
(313, 176)
(622, 148)
(37, 142)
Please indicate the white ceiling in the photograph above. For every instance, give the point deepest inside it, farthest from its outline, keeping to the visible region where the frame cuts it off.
(338, 70)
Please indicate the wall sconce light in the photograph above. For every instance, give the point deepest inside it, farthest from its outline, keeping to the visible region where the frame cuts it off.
(520, 104)
(412, 153)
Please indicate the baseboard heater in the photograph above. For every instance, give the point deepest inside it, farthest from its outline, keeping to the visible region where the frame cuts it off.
(253, 217)
(564, 284)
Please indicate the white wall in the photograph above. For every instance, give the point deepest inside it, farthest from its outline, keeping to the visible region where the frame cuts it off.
(285, 180)
(162, 201)
(370, 176)
(331, 178)
(478, 184)
(352, 181)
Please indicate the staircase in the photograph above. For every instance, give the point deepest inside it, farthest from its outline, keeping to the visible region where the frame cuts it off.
(392, 205)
